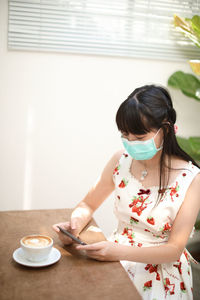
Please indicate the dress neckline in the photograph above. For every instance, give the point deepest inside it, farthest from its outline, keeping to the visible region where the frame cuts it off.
(156, 187)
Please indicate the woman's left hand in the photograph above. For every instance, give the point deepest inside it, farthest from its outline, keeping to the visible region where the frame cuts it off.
(103, 251)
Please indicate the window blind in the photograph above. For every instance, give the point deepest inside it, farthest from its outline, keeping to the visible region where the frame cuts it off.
(129, 28)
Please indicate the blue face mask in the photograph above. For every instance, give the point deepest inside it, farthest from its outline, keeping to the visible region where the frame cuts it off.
(141, 150)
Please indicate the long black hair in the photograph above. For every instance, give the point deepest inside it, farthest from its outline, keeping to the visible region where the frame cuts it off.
(150, 107)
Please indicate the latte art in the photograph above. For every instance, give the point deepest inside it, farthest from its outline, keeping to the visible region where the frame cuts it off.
(36, 241)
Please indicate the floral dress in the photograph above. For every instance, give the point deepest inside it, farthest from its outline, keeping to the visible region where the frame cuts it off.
(143, 225)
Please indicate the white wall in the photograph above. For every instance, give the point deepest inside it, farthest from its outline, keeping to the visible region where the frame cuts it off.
(57, 122)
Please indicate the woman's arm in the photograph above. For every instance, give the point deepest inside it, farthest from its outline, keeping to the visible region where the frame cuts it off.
(103, 187)
(169, 252)
(83, 212)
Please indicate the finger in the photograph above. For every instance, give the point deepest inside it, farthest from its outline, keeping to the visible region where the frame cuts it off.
(95, 247)
(65, 225)
(65, 239)
(94, 255)
(73, 224)
(55, 228)
(74, 227)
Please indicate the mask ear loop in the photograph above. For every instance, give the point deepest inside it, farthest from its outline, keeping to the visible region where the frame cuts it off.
(161, 146)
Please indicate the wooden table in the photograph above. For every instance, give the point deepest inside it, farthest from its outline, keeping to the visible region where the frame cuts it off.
(73, 277)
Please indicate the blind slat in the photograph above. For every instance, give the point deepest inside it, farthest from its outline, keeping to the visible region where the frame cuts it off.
(140, 28)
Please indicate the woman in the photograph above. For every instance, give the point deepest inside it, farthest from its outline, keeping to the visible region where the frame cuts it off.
(157, 199)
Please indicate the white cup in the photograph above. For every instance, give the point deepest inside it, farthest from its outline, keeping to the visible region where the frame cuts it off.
(36, 247)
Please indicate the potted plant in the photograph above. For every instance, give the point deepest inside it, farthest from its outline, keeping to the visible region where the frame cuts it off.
(189, 84)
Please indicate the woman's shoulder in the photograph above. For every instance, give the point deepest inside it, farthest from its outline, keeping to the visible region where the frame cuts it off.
(194, 187)
(117, 155)
(185, 168)
(118, 158)
(179, 163)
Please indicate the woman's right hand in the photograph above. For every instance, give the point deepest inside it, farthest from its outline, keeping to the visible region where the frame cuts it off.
(69, 226)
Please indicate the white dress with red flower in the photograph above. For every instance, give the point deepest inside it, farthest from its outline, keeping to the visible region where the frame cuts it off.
(142, 224)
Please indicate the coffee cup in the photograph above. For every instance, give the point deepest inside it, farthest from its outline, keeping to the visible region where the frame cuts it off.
(36, 247)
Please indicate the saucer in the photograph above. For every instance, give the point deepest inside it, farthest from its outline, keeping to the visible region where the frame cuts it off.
(54, 256)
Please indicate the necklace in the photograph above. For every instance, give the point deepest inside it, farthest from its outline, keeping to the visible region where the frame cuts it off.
(143, 174)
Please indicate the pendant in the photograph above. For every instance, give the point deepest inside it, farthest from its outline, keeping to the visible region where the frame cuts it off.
(144, 174)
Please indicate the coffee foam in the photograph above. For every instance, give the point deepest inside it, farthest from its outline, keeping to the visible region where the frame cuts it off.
(36, 241)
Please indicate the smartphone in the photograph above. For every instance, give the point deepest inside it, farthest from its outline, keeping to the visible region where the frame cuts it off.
(71, 236)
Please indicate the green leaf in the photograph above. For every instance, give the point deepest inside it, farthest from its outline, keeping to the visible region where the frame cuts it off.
(184, 144)
(191, 146)
(195, 22)
(195, 144)
(189, 27)
(186, 82)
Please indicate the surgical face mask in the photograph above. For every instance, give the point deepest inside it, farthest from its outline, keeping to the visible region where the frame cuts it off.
(141, 150)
